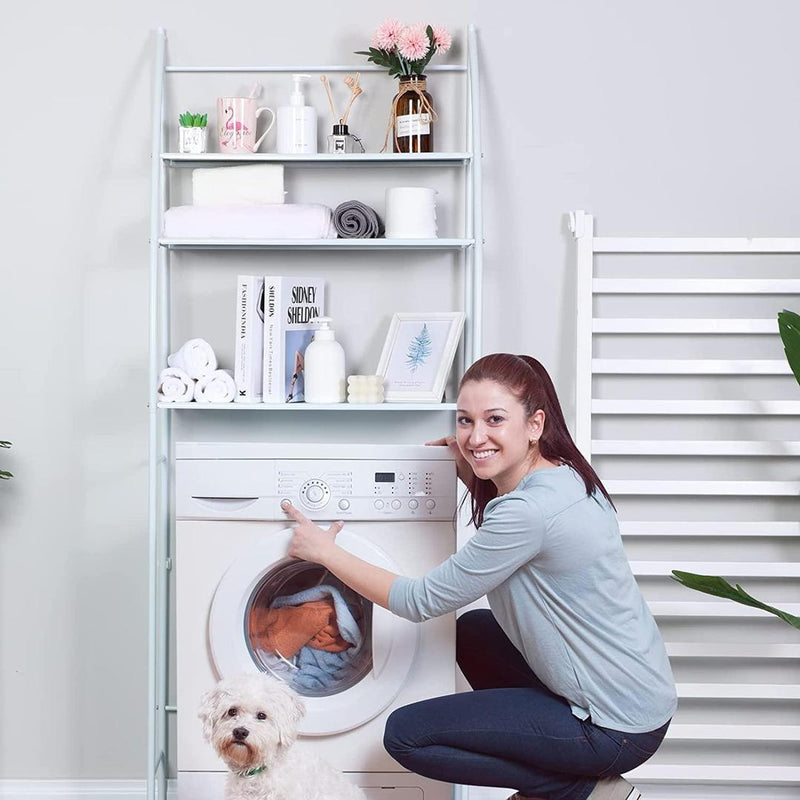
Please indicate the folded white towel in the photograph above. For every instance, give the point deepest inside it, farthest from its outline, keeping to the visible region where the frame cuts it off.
(175, 386)
(253, 184)
(218, 387)
(196, 358)
(288, 221)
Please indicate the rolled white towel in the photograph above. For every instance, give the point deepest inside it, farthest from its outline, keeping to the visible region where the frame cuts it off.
(218, 387)
(196, 358)
(175, 386)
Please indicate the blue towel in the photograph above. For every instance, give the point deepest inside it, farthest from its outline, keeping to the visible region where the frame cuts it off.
(318, 669)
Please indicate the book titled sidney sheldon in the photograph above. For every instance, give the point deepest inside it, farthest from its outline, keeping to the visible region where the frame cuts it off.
(289, 306)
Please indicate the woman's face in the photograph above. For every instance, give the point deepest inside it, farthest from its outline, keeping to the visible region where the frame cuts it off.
(494, 434)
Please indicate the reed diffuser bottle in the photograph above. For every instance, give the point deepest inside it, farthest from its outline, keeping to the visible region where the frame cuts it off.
(413, 116)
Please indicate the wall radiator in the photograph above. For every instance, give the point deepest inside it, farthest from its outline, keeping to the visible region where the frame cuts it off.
(689, 413)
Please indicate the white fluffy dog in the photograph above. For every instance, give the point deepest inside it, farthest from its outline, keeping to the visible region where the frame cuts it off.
(251, 721)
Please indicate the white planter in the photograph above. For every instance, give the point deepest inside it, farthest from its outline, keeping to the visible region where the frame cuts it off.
(192, 140)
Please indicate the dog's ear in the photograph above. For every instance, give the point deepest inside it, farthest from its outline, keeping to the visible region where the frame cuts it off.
(209, 704)
(287, 711)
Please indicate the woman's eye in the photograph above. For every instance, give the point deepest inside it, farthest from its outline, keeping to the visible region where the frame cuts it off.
(261, 715)
(232, 712)
(462, 420)
(494, 419)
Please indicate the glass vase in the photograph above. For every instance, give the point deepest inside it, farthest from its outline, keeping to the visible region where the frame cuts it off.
(413, 116)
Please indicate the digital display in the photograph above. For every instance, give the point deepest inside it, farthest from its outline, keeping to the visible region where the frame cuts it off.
(384, 477)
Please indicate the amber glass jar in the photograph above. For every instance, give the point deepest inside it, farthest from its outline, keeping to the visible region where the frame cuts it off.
(413, 116)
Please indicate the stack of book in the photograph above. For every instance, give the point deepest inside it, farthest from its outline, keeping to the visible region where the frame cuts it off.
(273, 329)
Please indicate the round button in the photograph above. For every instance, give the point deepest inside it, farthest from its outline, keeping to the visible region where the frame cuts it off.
(396, 504)
(314, 493)
(413, 504)
(430, 504)
(379, 504)
(344, 505)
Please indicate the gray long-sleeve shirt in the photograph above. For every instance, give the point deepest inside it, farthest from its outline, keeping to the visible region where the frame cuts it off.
(550, 560)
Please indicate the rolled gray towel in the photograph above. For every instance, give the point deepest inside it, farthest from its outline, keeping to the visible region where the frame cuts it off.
(354, 220)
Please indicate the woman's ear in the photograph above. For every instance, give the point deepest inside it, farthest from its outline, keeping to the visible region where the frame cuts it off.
(536, 426)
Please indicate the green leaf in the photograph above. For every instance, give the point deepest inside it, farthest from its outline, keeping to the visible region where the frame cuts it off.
(789, 327)
(719, 587)
(4, 476)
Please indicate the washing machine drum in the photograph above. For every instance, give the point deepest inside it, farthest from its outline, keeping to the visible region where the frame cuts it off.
(293, 619)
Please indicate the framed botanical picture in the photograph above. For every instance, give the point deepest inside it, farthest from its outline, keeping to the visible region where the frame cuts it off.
(417, 355)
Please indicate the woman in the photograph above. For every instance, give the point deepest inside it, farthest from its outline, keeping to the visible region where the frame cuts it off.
(571, 678)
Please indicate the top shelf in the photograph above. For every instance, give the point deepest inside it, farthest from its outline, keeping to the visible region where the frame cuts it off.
(386, 159)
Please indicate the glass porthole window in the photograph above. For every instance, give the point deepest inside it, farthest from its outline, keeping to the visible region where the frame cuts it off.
(303, 625)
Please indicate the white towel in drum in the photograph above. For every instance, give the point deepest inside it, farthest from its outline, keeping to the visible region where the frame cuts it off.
(175, 386)
(287, 221)
(253, 184)
(218, 387)
(196, 358)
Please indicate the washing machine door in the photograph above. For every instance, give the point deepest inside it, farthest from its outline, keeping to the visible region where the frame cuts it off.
(378, 669)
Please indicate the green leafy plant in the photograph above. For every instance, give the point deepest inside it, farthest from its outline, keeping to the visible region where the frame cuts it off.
(189, 120)
(719, 587)
(4, 474)
(789, 328)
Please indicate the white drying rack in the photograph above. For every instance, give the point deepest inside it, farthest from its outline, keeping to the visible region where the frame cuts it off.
(695, 753)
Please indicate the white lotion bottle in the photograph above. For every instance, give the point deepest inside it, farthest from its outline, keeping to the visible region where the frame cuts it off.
(324, 366)
(297, 122)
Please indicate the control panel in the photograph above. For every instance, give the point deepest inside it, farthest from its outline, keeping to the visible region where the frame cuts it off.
(369, 489)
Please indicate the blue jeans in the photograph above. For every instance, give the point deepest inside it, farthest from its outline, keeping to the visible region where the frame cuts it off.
(512, 730)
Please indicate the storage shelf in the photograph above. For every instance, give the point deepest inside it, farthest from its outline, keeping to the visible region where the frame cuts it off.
(320, 159)
(270, 407)
(461, 171)
(316, 244)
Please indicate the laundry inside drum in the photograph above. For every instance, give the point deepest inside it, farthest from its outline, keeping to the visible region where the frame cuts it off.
(303, 625)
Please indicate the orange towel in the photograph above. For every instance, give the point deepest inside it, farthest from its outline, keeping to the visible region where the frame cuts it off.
(285, 630)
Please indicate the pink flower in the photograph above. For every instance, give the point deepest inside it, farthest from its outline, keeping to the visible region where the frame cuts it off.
(441, 39)
(413, 43)
(387, 35)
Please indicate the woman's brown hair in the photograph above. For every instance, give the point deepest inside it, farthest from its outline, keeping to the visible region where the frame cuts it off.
(528, 381)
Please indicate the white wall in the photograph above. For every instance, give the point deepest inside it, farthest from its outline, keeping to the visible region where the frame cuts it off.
(658, 118)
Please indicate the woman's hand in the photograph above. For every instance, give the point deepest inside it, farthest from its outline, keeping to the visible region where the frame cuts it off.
(309, 541)
(463, 469)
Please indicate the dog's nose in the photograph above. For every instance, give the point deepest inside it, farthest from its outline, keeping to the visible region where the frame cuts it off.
(240, 734)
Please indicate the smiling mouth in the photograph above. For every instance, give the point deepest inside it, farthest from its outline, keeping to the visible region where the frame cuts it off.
(482, 455)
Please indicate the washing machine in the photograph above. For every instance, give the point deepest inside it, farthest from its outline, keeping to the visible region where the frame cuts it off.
(398, 503)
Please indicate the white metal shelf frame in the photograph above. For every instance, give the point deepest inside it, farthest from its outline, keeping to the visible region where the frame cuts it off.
(470, 246)
(693, 610)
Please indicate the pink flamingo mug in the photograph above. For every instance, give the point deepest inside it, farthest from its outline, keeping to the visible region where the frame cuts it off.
(236, 124)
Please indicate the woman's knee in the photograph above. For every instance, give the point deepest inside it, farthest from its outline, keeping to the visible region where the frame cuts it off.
(398, 735)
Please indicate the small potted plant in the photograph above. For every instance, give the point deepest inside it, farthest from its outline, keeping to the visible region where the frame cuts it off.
(193, 134)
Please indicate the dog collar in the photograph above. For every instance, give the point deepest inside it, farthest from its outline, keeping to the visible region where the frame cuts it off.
(251, 772)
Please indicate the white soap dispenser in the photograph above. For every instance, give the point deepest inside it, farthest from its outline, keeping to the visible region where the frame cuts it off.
(324, 366)
(297, 122)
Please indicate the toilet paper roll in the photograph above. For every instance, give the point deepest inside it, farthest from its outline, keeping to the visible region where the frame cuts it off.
(410, 212)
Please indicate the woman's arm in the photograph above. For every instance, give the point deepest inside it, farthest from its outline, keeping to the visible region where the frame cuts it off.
(312, 543)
